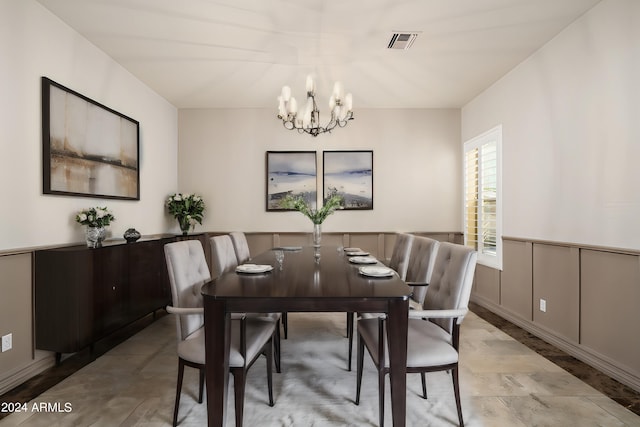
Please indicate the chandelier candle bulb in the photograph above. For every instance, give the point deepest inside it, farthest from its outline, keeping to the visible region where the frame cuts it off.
(337, 91)
(282, 110)
(293, 106)
(348, 102)
(286, 93)
(310, 85)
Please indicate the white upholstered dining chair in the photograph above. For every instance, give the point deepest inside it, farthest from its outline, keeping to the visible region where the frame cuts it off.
(188, 271)
(224, 260)
(433, 339)
(240, 246)
(412, 258)
(400, 255)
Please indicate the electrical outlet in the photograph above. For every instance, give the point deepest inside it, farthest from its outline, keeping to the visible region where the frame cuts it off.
(7, 342)
(543, 305)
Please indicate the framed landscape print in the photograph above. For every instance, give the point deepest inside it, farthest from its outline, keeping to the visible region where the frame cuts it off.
(88, 149)
(290, 172)
(349, 174)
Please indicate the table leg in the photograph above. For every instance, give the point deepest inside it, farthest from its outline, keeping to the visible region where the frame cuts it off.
(397, 324)
(217, 323)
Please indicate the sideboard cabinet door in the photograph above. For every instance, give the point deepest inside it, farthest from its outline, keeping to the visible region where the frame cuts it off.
(64, 317)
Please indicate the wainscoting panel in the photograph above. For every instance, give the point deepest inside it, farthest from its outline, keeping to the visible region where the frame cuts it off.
(556, 280)
(610, 312)
(260, 242)
(17, 364)
(487, 283)
(367, 242)
(516, 284)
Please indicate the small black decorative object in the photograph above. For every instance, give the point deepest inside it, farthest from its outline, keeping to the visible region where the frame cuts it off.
(131, 235)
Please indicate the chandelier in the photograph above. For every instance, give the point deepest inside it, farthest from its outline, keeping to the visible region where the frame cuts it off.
(307, 119)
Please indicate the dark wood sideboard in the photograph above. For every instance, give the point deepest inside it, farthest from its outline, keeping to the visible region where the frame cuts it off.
(82, 295)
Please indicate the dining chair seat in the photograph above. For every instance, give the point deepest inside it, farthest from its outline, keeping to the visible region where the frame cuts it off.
(427, 343)
(258, 332)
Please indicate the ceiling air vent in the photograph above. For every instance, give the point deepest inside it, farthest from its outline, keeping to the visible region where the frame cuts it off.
(402, 40)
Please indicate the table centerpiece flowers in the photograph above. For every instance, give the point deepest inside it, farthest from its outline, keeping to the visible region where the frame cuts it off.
(96, 219)
(187, 209)
(317, 216)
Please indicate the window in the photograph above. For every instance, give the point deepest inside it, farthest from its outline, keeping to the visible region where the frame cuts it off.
(482, 216)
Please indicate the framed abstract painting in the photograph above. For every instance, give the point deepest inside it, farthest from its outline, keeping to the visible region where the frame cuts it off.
(88, 149)
(349, 174)
(290, 173)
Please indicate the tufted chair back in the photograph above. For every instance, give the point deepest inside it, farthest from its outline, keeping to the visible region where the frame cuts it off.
(400, 256)
(450, 286)
(241, 246)
(421, 262)
(188, 271)
(223, 256)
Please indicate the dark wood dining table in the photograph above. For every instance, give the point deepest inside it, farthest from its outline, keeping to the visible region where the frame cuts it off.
(305, 283)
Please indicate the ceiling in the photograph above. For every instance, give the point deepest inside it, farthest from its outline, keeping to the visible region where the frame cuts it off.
(239, 53)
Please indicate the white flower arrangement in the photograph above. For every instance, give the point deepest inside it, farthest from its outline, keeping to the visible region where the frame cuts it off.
(95, 217)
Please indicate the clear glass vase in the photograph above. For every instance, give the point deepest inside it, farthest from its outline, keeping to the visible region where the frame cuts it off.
(185, 225)
(95, 236)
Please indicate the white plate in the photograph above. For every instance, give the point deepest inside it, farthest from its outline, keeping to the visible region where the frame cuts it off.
(363, 260)
(376, 271)
(288, 248)
(352, 249)
(253, 268)
(357, 253)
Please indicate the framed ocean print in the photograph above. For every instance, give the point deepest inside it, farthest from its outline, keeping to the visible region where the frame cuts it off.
(88, 149)
(349, 174)
(291, 173)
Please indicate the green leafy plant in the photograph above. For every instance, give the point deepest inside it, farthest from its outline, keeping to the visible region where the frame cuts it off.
(317, 216)
(186, 208)
(95, 217)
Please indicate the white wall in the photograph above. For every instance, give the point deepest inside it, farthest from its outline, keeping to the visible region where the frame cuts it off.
(571, 123)
(35, 43)
(416, 171)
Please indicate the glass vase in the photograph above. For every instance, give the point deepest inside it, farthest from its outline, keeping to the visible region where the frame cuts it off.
(95, 236)
(185, 225)
(317, 235)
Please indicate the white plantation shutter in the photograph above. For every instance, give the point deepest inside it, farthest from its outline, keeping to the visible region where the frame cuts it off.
(482, 198)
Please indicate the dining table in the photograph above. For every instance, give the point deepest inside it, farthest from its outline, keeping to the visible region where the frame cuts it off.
(308, 279)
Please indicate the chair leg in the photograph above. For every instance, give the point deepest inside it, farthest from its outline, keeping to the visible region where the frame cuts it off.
(350, 336)
(456, 391)
(381, 394)
(285, 325)
(360, 364)
(178, 391)
(276, 348)
(200, 394)
(239, 382)
(424, 384)
(269, 355)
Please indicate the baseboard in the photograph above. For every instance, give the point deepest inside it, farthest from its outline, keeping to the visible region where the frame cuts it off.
(21, 375)
(586, 355)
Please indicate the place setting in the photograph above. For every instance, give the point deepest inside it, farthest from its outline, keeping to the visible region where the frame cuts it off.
(376, 271)
(355, 252)
(253, 268)
(363, 260)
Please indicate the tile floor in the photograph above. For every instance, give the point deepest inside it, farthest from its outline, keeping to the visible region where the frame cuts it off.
(504, 383)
